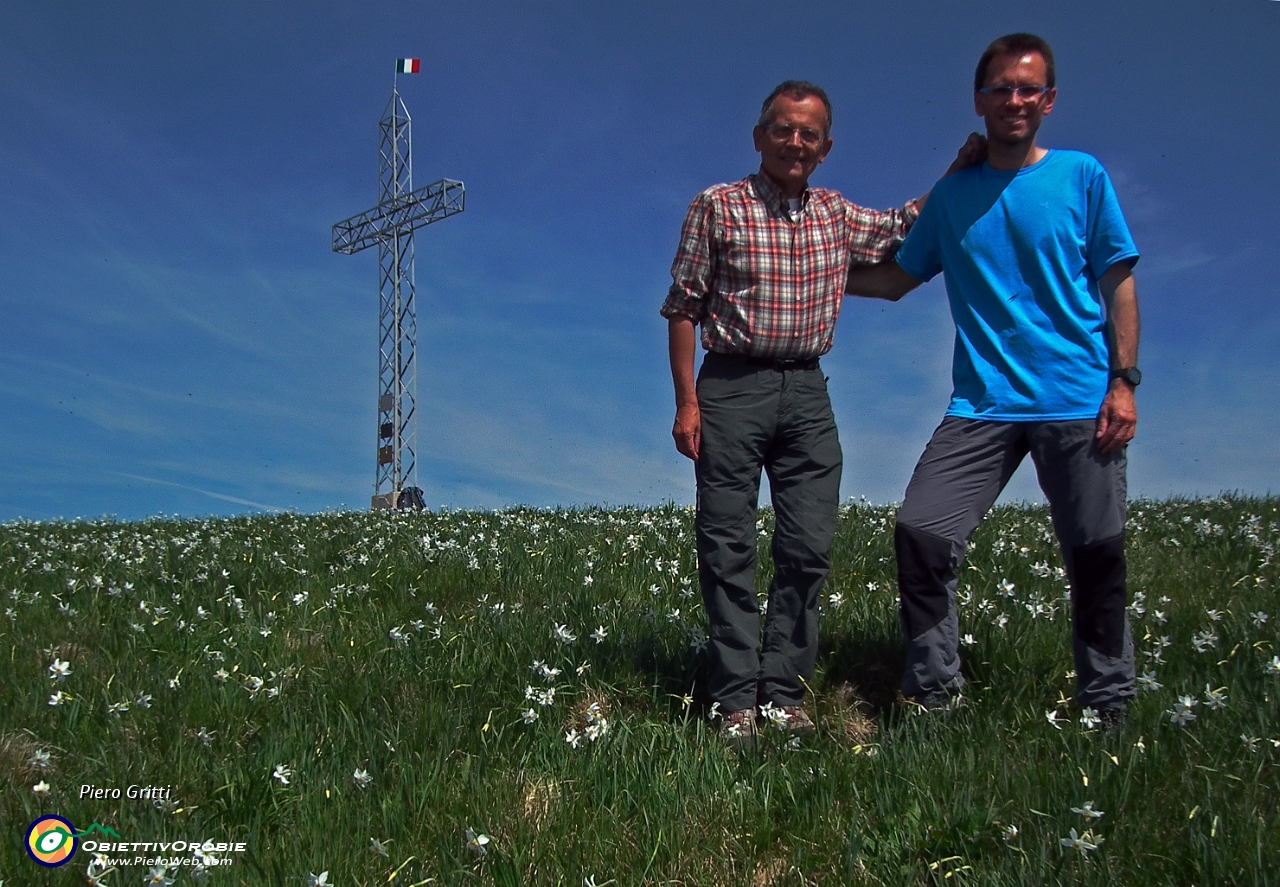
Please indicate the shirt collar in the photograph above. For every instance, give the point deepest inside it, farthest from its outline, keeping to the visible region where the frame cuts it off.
(768, 191)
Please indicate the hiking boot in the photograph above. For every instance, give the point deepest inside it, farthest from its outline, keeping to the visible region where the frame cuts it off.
(1113, 719)
(935, 701)
(738, 730)
(798, 721)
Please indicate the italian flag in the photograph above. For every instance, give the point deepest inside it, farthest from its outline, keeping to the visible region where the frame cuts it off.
(408, 66)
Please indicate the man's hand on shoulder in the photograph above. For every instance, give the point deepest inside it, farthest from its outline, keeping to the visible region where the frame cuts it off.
(971, 153)
(687, 430)
(1118, 418)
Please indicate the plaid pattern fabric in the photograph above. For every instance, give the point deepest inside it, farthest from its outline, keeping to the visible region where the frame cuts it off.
(763, 285)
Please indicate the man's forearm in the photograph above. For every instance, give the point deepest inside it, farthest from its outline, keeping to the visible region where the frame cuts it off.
(682, 340)
(884, 281)
(1123, 325)
(1118, 417)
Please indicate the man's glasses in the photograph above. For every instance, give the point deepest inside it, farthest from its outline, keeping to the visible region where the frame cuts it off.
(1004, 93)
(782, 134)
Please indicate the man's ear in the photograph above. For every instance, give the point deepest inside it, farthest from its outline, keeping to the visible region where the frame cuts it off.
(1048, 99)
(757, 138)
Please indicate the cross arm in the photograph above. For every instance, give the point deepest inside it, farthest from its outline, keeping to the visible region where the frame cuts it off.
(400, 214)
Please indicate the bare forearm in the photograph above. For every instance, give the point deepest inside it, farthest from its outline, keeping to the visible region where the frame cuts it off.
(1123, 324)
(682, 341)
(1118, 417)
(884, 281)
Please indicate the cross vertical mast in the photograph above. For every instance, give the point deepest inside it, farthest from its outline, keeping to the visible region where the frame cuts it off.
(397, 327)
(390, 225)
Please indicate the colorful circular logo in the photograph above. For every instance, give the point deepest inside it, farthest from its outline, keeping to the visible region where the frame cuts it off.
(51, 841)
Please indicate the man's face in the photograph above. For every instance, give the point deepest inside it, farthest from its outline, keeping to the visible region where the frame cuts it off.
(1013, 119)
(788, 151)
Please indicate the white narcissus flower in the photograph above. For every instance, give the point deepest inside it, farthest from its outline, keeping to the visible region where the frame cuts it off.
(774, 714)
(59, 670)
(477, 843)
(1086, 810)
(41, 788)
(1182, 713)
(1215, 699)
(159, 875)
(1084, 843)
(283, 774)
(361, 778)
(1149, 683)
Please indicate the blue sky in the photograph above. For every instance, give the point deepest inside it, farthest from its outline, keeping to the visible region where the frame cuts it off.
(178, 338)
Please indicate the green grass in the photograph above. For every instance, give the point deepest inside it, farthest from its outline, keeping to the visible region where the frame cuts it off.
(402, 645)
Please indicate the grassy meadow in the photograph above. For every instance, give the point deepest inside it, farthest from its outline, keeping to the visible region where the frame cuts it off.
(513, 697)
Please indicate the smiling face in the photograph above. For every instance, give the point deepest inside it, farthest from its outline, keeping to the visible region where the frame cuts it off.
(786, 155)
(1013, 120)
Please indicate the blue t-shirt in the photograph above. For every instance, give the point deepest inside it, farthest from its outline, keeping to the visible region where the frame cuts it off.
(1021, 253)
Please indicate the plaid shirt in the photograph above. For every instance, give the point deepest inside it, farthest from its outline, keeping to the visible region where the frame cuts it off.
(766, 286)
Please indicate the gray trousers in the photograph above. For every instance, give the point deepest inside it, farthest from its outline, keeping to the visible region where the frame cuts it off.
(779, 420)
(962, 471)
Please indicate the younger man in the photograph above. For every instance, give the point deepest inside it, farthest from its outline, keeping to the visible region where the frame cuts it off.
(1037, 261)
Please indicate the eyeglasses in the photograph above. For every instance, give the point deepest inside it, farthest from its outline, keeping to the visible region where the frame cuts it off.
(1004, 93)
(782, 134)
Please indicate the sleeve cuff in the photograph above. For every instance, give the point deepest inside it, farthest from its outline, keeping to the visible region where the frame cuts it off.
(672, 310)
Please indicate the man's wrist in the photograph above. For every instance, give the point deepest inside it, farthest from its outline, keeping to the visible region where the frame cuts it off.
(1130, 376)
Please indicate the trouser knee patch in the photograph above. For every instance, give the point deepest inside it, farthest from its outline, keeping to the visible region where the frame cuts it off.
(1099, 594)
(924, 567)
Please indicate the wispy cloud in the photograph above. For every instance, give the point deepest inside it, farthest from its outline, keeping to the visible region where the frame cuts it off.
(222, 497)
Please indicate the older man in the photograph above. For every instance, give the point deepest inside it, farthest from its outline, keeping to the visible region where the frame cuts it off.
(762, 266)
(1037, 260)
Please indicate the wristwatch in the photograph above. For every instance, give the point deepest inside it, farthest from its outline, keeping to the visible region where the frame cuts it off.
(1132, 375)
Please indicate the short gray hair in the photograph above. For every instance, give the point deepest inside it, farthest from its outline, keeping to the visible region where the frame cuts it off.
(795, 90)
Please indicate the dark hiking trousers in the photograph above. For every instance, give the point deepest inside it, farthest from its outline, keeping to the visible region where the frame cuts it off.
(962, 471)
(756, 417)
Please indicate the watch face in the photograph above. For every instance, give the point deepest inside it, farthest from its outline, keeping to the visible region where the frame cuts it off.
(1132, 375)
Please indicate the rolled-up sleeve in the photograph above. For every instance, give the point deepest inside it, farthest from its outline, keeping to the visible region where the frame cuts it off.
(694, 265)
(875, 235)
